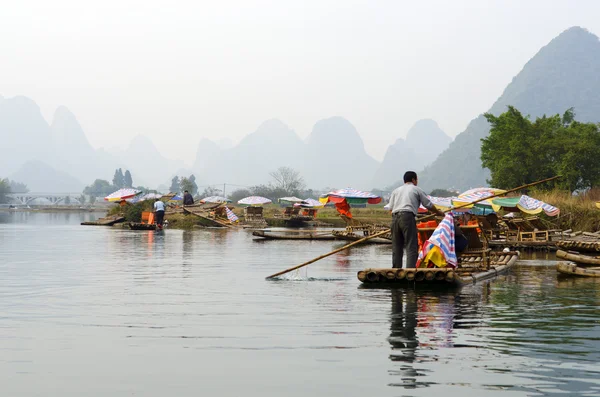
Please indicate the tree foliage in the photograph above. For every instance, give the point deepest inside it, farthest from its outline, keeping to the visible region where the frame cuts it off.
(519, 151)
(174, 184)
(287, 180)
(17, 187)
(127, 179)
(100, 188)
(4, 190)
(443, 193)
(118, 179)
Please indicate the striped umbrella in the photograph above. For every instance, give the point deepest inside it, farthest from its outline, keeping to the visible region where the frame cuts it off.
(254, 200)
(122, 194)
(215, 199)
(230, 215)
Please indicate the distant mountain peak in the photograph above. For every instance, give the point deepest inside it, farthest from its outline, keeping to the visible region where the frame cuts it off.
(561, 75)
(336, 131)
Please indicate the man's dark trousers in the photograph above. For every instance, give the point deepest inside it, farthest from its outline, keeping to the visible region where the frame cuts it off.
(404, 233)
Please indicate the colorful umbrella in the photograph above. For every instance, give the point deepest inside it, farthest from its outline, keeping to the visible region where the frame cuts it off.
(122, 194)
(215, 199)
(524, 203)
(254, 200)
(350, 196)
(230, 215)
(311, 203)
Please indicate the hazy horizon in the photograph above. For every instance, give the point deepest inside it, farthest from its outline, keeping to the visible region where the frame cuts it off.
(207, 70)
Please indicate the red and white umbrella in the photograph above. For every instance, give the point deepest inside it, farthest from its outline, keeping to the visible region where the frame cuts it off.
(122, 194)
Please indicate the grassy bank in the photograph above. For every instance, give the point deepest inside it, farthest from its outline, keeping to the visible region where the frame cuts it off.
(576, 212)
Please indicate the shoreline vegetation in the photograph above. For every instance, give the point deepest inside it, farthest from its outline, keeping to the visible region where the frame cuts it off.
(578, 213)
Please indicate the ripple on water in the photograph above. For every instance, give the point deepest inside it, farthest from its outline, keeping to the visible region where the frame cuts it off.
(118, 312)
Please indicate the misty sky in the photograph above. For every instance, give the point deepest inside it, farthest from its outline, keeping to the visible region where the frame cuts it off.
(180, 71)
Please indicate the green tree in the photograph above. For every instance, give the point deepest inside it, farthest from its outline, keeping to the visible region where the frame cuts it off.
(188, 184)
(193, 184)
(4, 190)
(127, 180)
(518, 151)
(212, 191)
(67, 200)
(82, 199)
(92, 200)
(118, 178)
(99, 188)
(174, 185)
(17, 187)
(239, 194)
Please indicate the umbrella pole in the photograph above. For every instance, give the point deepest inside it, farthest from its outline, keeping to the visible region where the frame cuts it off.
(388, 230)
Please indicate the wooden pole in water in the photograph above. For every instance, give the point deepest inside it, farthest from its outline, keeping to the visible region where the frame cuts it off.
(362, 240)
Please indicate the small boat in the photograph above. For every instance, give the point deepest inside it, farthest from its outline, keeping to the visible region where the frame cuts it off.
(571, 269)
(472, 268)
(578, 258)
(582, 246)
(294, 235)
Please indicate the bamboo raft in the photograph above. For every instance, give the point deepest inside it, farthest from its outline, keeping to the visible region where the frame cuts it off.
(106, 221)
(571, 269)
(578, 257)
(207, 212)
(576, 245)
(293, 235)
(471, 269)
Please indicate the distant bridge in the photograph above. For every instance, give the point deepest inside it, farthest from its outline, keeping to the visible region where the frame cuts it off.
(53, 198)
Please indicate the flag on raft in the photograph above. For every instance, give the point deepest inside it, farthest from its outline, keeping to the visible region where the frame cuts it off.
(230, 215)
(439, 249)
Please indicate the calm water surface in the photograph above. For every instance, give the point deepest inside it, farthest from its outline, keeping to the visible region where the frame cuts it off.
(94, 311)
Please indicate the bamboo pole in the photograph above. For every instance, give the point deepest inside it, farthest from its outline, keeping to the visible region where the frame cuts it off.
(362, 240)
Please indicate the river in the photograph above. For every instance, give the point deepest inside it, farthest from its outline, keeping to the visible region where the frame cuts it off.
(98, 311)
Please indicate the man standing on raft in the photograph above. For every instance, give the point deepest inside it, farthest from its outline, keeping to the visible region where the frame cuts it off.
(404, 204)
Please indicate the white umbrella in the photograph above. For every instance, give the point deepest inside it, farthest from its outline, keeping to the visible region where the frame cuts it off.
(254, 200)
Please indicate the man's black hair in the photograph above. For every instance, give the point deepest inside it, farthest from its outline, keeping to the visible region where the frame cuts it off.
(409, 176)
(185, 191)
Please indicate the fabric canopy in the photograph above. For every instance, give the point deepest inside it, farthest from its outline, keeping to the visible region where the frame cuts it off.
(290, 200)
(122, 194)
(215, 199)
(526, 204)
(254, 200)
(350, 196)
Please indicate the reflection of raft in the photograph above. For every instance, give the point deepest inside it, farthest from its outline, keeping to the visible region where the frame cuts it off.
(471, 269)
(571, 269)
(293, 235)
(578, 258)
(141, 226)
(585, 246)
(106, 221)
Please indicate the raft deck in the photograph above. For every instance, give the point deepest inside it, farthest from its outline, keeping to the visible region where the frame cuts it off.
(470, 271)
